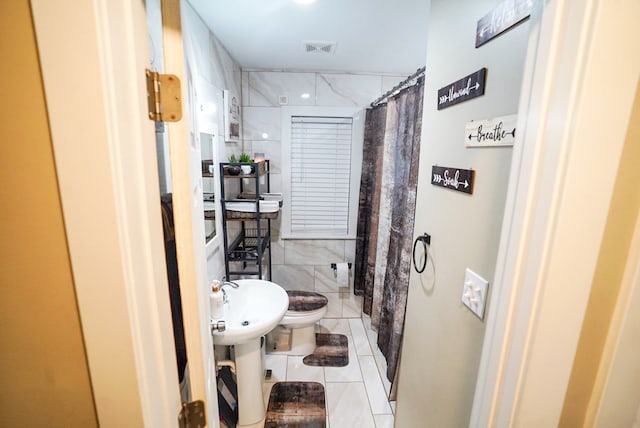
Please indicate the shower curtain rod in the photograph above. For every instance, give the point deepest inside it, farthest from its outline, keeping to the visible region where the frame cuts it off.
(400, 86)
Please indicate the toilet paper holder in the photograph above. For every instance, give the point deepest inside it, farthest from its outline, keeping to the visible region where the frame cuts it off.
(334, 266)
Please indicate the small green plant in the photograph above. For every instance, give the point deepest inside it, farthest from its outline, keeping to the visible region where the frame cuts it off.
(244, 157)
(233, 158)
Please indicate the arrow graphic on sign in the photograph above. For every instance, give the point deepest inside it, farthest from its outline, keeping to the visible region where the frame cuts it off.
(499, 131)
(452, 178)
(468, 87)
(504, 134)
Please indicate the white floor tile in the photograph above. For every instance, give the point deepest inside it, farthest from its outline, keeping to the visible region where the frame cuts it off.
(356, 394)
(383, 421)
(359, 335)
(351, 305)
(381, 362)
(349, 373)
(278, 366)
(297, 371)
(334, 305)
(348, 406)
(334, 326)
(378, 398)
(366, 321)
(373, 338)
(266, 392)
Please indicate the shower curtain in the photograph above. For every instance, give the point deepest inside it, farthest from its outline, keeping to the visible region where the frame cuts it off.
(386, 216)
(366, 243)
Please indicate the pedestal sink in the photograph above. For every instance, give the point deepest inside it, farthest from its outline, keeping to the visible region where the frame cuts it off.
(251, 311)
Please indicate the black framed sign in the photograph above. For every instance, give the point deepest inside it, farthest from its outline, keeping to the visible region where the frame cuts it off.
(468, 87)
(505, 15)
(457, 179)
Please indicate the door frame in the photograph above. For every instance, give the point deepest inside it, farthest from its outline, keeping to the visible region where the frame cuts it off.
(93, 71)
(557, 205)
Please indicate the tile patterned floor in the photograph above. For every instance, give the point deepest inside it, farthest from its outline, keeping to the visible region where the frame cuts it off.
(356, 395)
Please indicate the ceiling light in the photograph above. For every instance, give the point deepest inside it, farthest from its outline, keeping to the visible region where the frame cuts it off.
(305, 96)
(305, 1)
(265, 135)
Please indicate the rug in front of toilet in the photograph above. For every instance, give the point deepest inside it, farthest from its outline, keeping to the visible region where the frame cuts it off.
(296, 405)
(332, 350)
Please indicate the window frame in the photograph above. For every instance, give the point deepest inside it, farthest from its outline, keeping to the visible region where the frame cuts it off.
(357, 138)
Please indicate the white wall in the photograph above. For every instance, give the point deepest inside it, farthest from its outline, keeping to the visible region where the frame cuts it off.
(443, 339)
(208, 60)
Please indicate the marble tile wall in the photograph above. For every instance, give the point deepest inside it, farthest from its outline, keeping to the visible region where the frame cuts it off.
(209, 59)
(305, 264)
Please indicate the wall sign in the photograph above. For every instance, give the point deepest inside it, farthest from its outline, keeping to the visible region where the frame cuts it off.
(231, 117)
(505, 15)
(453, 178)
(468, 87)
(499, 131)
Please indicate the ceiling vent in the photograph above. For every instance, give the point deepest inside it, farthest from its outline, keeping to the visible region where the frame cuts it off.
(319, 47)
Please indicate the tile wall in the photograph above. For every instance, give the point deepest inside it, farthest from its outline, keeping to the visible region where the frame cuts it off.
(305, 264)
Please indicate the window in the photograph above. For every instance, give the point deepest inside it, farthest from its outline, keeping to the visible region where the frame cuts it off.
(322, 157)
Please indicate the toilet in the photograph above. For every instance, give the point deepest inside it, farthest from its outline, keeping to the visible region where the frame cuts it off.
(296, 333)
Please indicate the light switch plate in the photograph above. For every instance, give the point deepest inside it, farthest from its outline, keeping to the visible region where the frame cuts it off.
(474, 292)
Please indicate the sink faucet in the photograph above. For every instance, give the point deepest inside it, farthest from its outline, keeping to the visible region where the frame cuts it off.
(232, 284)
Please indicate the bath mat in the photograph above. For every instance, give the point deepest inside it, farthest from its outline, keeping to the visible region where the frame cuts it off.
(296, 405)
(331, 351)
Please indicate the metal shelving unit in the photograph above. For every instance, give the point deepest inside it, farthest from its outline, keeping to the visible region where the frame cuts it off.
(247, 249)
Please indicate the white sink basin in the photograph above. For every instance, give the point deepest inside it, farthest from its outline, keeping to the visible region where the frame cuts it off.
(252, 310)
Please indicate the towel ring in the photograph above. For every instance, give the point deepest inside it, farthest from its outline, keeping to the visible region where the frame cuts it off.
(426, 240)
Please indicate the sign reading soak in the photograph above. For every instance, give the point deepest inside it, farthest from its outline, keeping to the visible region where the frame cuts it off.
(453, 178)
(468, 87)
(499, 131)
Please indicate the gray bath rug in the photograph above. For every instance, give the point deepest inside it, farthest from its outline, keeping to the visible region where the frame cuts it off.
(296, 405)
(331, 351)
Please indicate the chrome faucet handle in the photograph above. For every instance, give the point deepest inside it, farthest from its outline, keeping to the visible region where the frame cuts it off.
(230, 283)
(218, 326)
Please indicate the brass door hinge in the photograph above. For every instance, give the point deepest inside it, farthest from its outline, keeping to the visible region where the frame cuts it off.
(192, 415)
(163, 97)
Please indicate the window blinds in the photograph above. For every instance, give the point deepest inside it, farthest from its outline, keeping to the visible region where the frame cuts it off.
(320, 174)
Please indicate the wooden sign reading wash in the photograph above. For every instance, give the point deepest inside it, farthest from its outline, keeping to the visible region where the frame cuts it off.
(499, 131)
(468, 87)
(453, 178)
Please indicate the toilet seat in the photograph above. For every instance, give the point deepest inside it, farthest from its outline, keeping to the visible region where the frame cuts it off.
(295, 334)
(305, 308)
(306, 301)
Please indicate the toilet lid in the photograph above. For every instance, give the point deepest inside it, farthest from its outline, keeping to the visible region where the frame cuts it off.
(306, 301)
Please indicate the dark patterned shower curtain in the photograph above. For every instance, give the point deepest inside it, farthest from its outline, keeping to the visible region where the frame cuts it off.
(366, 243)
(386, 216)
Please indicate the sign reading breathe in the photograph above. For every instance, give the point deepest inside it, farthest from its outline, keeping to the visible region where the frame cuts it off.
(499, 131)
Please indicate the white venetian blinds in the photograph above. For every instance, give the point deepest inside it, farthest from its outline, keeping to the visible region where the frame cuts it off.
(320, 174)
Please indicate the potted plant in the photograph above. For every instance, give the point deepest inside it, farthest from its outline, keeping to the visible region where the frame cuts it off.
(246, 158)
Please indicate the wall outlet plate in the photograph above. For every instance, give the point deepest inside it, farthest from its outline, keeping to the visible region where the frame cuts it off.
(474, 292)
